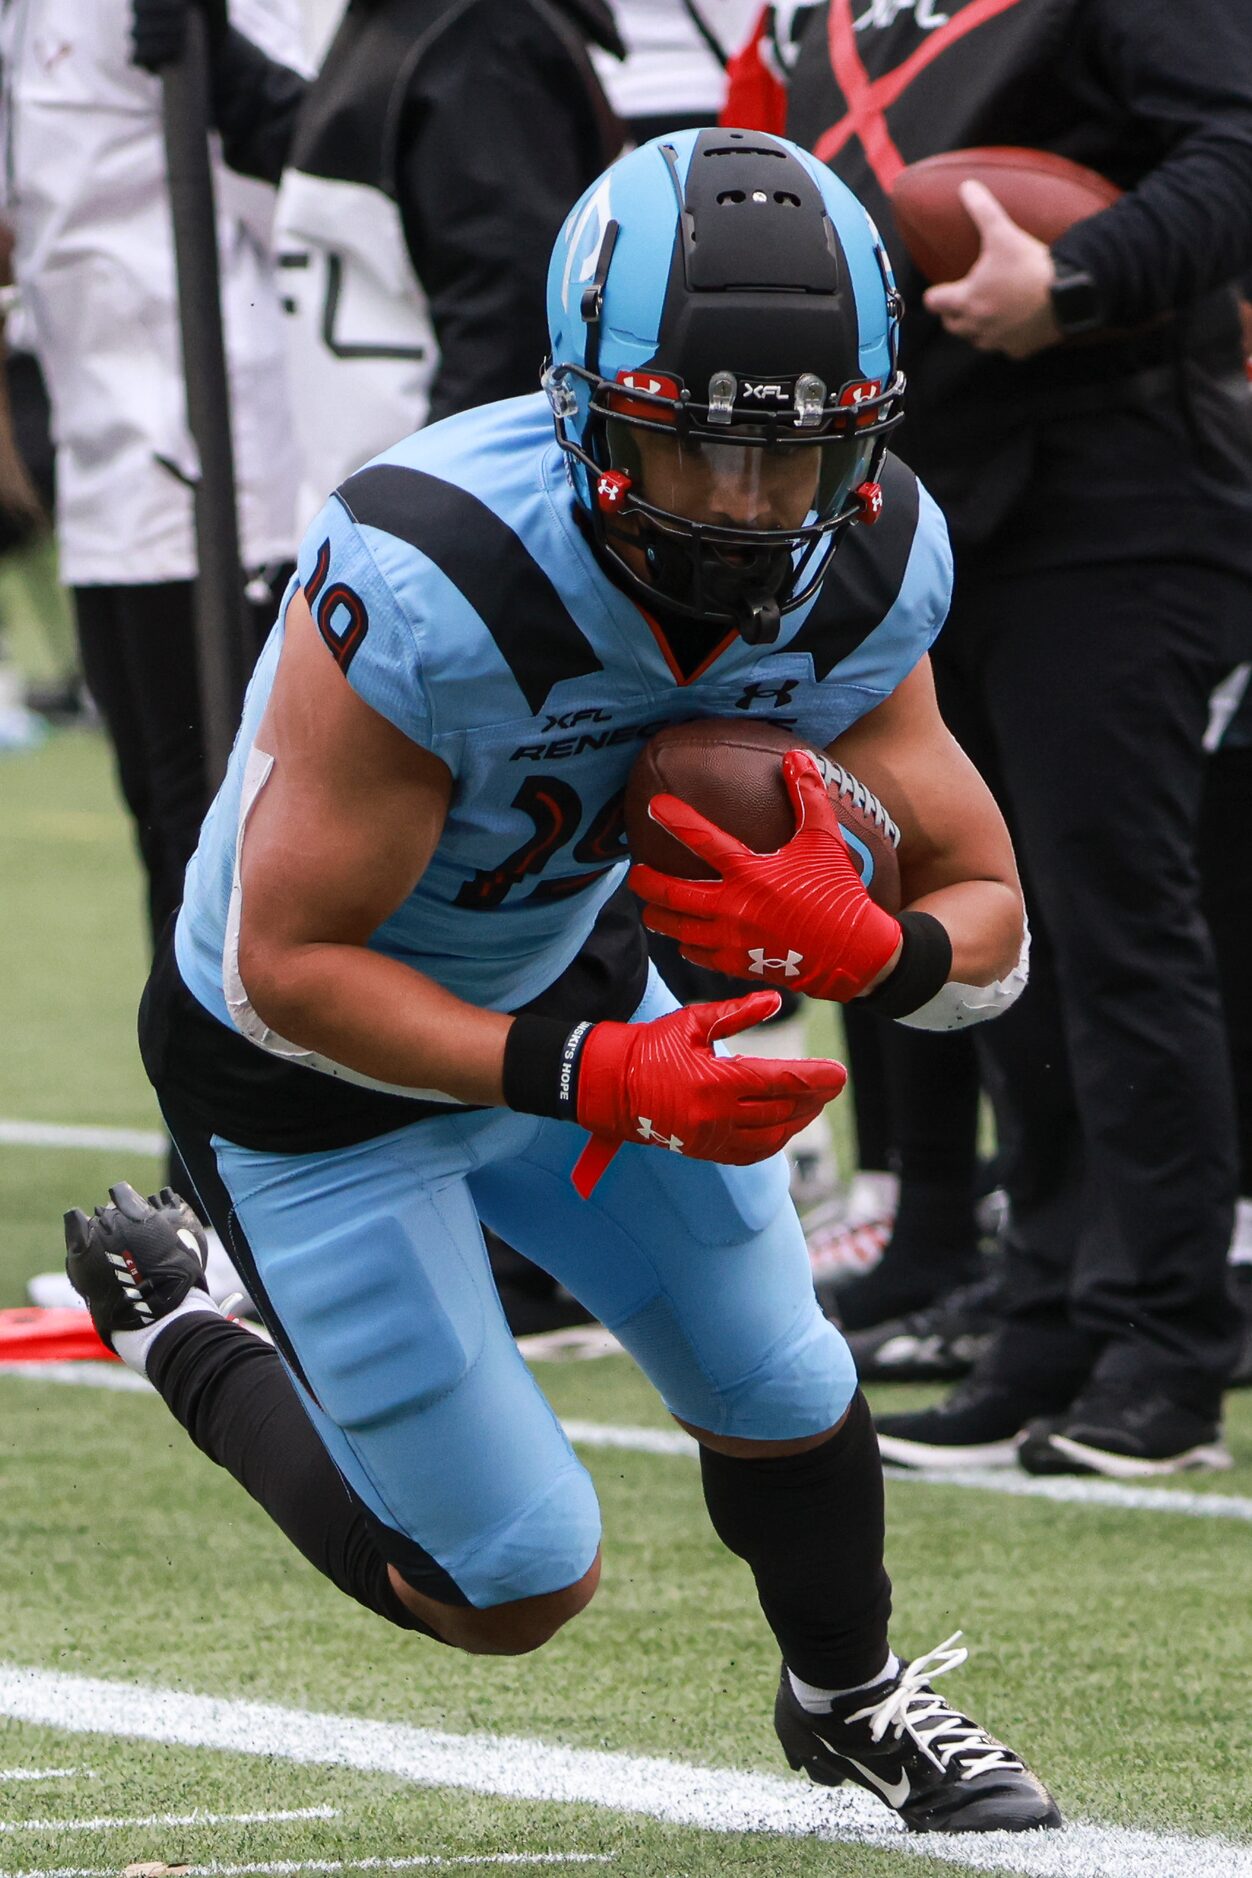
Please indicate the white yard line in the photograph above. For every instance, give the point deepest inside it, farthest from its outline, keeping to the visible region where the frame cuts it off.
(282, 1867)
(1079, 1491)
(86, 1375)
(1073, 1490)
(710, 1799)
(112, 1822)
(15, 1134)
(46, 1773)
(1082, 1490)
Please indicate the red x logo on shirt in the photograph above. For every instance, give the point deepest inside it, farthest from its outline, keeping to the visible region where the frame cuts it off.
(868, 100)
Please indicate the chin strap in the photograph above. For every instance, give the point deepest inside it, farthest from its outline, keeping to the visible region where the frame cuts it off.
(759, 620)
(754, 611)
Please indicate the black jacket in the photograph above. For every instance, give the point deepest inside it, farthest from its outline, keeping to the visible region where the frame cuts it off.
(1138, 445)
(483, 119)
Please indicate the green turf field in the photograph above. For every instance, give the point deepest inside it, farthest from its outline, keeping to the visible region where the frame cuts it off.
(1112, 1646)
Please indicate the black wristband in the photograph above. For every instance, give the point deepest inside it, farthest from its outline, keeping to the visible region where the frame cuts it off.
(923, 966)
(541, 1056)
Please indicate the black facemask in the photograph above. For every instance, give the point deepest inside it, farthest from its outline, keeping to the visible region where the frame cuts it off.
(701, 578)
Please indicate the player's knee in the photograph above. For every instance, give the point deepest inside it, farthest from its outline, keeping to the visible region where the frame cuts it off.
(797, 1394)
(742, 1448)
(524, 1624)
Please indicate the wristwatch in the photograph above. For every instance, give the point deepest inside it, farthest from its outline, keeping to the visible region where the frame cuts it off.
(1076, 301)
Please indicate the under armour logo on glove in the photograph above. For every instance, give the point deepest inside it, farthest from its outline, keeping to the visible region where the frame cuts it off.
(649, 1133)
(764, 904)
(641, 1082)
(789, 967)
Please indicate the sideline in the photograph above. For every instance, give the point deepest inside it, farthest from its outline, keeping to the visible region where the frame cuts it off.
(1072, 1490)
(283, 1867)
(710, 1799)
(56, 1135)
(112, 1822)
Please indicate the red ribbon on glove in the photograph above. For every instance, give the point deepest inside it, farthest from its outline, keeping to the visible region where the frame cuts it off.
(799, 917)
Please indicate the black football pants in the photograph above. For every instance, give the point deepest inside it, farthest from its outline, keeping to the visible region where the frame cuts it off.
(1082, 695)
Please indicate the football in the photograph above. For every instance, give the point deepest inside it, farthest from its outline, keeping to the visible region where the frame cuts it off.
(731, 771)
(1045, 194)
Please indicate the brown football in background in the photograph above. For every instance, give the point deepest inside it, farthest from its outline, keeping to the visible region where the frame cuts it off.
(1045, 194)
(731, 770)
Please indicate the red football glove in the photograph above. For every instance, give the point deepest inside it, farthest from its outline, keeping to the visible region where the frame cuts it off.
(661, 1082)
(798, 917)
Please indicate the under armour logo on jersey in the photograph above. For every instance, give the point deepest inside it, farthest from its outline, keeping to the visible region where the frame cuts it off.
(649, 1133)
(779, 695)
(759, 964)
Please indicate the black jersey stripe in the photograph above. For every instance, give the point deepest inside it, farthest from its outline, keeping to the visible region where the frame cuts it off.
(537, 635)
(865, 576)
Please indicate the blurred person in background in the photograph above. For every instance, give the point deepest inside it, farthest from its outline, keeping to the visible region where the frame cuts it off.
(1226, 871)
(423, 174)
(35, 615)
(677, 52)
(1099, 496)
(87, 197)
(23, 519)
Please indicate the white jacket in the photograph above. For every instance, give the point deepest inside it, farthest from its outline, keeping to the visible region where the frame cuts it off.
(85, 192)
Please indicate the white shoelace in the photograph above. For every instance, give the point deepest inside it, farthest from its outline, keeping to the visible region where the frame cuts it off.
(909, 1707)
(863, 799)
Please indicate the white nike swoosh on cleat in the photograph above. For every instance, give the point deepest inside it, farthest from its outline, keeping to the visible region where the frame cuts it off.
(894, 1792)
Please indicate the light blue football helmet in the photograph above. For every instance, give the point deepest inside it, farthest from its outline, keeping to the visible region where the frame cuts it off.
(724, 371)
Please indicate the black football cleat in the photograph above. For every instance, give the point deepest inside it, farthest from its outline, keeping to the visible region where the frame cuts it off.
(1125, 1436)
(982, 1423)
(932, 1765)
(132, 1262)
(937, 1344)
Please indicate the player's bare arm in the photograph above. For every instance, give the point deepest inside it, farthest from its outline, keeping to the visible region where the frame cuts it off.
(339, 837)
(956, 858)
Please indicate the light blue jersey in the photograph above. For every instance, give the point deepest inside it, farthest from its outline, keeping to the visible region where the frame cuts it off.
(451, 582)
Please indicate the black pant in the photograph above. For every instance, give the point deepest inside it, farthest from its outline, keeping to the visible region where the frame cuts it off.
(139, 659)
(1226, 866)
(1082, 695)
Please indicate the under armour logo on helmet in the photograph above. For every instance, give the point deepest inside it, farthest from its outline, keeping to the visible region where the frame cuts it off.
(649, 1133)
(759, 964)
(612, 489)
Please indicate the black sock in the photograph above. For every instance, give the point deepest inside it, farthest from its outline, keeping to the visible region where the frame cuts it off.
(231, 1393)
(810, 1526)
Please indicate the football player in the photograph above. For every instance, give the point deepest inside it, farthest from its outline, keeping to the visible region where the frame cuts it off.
(398, 996)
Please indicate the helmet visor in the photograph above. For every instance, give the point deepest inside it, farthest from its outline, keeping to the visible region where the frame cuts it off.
(743, 481)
